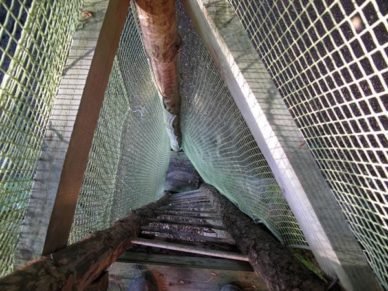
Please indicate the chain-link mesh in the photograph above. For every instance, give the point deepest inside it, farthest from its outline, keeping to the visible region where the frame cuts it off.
(130, 152)
(329, 61)
(34, 41)
(221, 147)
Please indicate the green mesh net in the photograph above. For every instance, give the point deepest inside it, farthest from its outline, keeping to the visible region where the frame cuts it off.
(330, 66)
(327, 58)
(220, 145)
(35, 37)
(130, 151)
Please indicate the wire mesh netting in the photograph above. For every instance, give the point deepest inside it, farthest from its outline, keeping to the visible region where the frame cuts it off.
(130, 152)
(220, 145)
(329, 61)
(34, 41)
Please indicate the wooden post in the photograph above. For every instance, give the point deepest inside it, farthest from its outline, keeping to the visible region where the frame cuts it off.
(85, 125)
(272, 261)
(58, 134)
(158, 25)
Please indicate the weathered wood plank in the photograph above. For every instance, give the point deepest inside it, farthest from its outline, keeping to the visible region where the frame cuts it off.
(81, 139)
(184, 261)
(58, 134)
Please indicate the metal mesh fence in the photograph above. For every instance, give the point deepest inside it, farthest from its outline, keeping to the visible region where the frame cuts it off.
(130, 151)
(329, 61)
(220, 145)
(34, 41)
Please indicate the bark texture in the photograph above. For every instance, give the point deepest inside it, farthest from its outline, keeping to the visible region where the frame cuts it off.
(77, 266)
(272, 261)
(81, 264)
(161, 41)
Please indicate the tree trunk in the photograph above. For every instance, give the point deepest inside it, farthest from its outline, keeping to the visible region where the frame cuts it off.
(158, 26)
(161, 41)
(81, 264)
(271, 260)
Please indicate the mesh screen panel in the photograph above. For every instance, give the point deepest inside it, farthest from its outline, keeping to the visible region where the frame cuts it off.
(34, 41)
(220, 145)
(130, 151)
(329, 61)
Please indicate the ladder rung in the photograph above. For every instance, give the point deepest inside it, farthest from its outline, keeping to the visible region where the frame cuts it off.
(190, 249)
(187, 222)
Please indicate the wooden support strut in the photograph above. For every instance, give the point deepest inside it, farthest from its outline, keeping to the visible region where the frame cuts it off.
(272, 261)
(158, 25)
(161, 41)
(82, 137)
(81, 266)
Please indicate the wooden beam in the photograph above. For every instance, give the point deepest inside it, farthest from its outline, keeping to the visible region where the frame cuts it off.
(184, 261)
(158, 25)
(79, 265)
(161, 41)
(270, 260)
(190, 249)
(85, 125)
(58, 134)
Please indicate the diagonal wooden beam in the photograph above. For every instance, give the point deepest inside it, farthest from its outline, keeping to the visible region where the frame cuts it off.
(58, 133)
(79, 265)
(85, 125)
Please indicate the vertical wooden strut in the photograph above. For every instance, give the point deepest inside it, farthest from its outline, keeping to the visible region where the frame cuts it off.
(158, 25)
